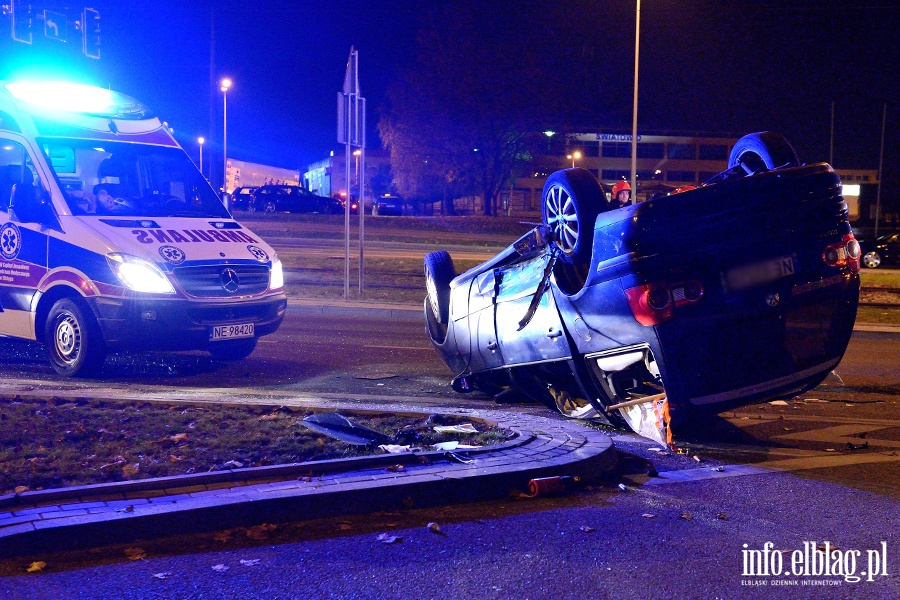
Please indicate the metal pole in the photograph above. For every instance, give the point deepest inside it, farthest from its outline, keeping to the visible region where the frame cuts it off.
(880, 168)
(360, 182)
(634, 110)
(347, 204)
(831, 141)
(224, 140)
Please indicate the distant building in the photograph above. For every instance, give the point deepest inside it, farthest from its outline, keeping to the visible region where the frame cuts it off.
(664, 162)
(239, 173)
(329, 177)
(858, 185)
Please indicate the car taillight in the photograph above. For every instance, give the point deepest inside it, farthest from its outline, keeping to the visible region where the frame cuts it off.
(845, 253)
(654, 303)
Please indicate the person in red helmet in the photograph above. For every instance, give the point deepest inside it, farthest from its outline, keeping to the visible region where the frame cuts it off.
(621, 194)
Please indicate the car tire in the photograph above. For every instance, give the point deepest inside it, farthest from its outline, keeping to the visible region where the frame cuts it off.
(251, 206)
(269, 206)
(73, 340)
(762, 151)
(233, 349)
(439, 272)
(871, 260)
(571, 201)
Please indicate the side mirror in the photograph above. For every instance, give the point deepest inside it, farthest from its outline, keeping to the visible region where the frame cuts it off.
(30, 204)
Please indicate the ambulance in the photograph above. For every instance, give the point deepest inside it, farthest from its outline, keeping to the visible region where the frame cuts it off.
(111, 239)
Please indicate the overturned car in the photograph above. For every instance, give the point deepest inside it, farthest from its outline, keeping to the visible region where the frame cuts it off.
(742, 290)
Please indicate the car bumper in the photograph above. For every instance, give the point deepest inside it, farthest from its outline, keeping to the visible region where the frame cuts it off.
(178, 324)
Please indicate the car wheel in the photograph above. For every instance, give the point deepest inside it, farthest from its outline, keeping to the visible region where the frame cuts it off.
(73, 339)
(439, 272)
(233, 349)
(763, 151)
(251, 207)
(872, 260)
(269, 206)
(572, 199)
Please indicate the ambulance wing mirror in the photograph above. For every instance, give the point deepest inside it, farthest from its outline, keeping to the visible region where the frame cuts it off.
(30, 204)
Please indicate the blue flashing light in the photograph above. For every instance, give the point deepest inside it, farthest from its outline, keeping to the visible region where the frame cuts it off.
(78, 98)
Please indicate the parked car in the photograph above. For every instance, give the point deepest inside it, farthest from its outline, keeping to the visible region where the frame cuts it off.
(240, 198)
(884, 250)
(388, 205)
(292, 198)
(742, 290)
(354, 202)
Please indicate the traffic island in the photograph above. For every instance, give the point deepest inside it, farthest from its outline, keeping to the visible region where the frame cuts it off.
(95, 515)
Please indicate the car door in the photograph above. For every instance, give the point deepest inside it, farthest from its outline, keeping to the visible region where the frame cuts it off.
(892, 249)
(541, 338)
(23, 245)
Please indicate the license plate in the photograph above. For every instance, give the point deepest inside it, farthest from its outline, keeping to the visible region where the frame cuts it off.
(758, 273)
(230, 332)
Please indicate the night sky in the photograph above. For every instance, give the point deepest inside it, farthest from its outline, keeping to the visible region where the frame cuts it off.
(706, 65)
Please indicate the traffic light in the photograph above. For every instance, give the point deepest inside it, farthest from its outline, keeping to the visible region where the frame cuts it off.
(22, 17)
(90, 33)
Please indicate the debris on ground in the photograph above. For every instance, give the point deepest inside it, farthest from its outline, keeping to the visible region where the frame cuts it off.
(394, 448)
(435, 528)
(548, 486)
(339, 427)
(462, 428)
(386, 538)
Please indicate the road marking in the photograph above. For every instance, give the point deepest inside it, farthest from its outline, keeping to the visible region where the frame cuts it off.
(397, 347)
(818, 461)
(842, 434)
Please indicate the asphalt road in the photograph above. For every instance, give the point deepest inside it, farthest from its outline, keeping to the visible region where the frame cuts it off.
(823, 467)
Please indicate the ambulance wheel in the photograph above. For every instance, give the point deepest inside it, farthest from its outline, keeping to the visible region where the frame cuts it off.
(233, 349)
(73, 340)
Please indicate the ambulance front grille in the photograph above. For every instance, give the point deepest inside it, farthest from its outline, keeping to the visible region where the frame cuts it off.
(218, 281)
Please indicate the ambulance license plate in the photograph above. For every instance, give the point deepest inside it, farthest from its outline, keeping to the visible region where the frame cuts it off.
(230, 332)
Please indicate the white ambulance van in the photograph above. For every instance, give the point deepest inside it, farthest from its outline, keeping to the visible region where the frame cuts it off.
(111, 239)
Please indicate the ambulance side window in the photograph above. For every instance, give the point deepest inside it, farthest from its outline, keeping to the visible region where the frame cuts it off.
(13, 169)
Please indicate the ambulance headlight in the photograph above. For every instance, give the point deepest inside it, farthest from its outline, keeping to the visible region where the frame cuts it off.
(276, 275)
(139, 275)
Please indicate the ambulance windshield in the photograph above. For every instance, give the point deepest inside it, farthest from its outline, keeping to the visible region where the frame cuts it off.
(130, 180)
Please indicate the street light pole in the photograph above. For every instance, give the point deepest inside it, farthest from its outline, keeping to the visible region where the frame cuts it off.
(201, 141)
(225, 85)
(634, 112)
(574, 156)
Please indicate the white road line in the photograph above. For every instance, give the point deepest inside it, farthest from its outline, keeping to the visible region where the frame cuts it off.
(770, 467)
(397, 347)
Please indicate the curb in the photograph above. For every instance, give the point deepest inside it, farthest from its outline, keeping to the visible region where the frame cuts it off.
(102, 514)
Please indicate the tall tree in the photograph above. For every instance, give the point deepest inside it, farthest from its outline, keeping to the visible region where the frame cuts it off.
(458, 121)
